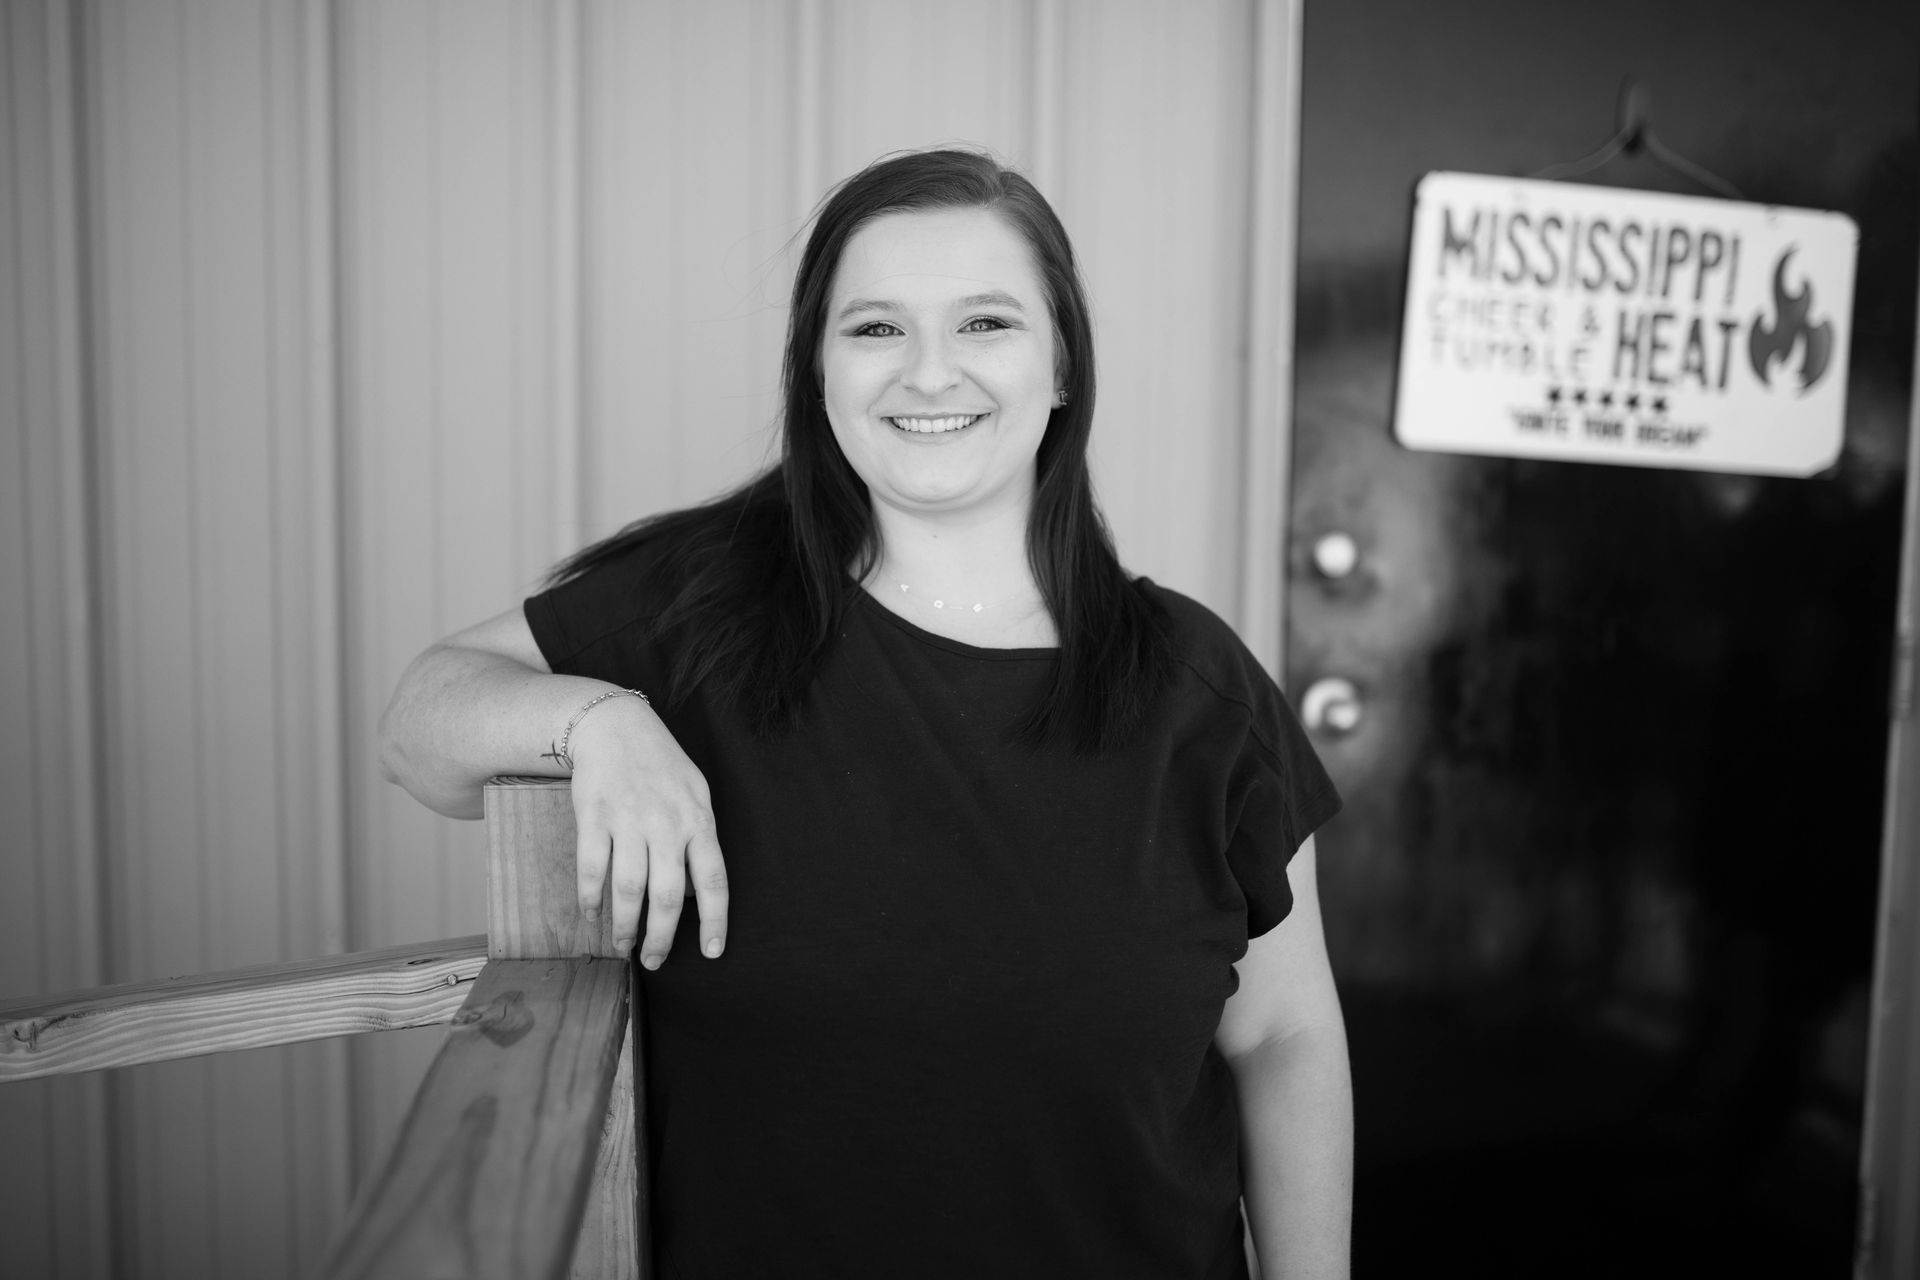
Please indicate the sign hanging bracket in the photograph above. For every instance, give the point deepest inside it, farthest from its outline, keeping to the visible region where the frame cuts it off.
(1634, 136)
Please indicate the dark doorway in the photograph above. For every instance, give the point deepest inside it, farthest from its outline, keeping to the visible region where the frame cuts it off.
(1612, 739)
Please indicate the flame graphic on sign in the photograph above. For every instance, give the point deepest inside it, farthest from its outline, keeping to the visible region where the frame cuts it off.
(1768, 343)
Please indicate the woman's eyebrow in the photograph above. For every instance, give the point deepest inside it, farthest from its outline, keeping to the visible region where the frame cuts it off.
(857, 305)
(992, 299)
(995, 298)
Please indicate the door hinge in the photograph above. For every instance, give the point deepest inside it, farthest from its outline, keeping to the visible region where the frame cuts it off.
(1866, 1237)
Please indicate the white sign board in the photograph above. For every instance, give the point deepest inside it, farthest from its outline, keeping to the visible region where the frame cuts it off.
(1592, 324)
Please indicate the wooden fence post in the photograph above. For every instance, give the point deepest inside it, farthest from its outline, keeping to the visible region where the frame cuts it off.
(520, 1157)
(533, 912)
(533, 907)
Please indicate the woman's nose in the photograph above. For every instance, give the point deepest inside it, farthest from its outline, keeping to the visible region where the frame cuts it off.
(931, 368)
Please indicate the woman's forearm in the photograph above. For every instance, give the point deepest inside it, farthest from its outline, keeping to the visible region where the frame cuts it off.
(483, 703)
(459, 716)
(1296, 1120)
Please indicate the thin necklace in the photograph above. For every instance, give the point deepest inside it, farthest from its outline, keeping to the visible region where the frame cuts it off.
(976, 607)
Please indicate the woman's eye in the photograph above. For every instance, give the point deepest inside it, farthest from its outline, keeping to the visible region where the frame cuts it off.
(873, 328)
(983, 324)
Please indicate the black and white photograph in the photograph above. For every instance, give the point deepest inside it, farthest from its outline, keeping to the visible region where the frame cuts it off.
(1020, 640)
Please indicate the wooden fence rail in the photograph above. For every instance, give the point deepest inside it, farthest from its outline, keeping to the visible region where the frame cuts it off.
(412, 986)
(522, 1153)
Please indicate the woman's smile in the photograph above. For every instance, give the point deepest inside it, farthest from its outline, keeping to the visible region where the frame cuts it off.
(924, 425)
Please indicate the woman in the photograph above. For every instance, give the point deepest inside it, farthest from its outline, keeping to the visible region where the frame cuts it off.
(1007, 833)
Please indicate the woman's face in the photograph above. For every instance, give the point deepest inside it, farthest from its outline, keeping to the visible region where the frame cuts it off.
(938, 362)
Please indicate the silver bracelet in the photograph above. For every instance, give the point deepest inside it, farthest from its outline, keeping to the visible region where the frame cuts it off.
(559, 754)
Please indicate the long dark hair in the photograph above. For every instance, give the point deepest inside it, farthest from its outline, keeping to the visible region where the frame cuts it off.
(754, 583)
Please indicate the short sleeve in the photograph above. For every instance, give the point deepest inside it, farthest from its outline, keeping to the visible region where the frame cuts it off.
(595, 625)
(549, 627)
(1280, 795)
(1275, 792)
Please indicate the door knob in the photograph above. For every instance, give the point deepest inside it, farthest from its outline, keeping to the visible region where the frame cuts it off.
(1331, 705)
(1335, 555)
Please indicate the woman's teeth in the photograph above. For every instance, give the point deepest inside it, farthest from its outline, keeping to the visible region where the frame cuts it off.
(933, 426)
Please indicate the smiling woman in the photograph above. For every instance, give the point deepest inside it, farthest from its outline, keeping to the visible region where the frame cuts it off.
(1012, 965)
(940, 376)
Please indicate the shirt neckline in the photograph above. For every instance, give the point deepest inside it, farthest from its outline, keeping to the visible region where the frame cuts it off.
(948, 643)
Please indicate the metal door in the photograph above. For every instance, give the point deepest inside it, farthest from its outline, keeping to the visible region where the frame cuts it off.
(1612, 738)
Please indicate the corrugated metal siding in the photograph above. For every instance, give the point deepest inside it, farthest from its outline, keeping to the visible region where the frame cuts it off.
(356, 316)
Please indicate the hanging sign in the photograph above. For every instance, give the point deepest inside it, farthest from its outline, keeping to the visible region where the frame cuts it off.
(1593, 324)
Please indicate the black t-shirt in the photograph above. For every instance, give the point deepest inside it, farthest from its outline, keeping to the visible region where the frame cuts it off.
(964, 1023)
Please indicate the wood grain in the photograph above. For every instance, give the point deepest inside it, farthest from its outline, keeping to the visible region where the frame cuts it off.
(533, 906)
(533, 913)
(489, 1176)
(612, 1235)
(410, 986)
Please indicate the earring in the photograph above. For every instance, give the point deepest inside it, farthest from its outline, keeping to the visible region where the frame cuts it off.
(1060, 398)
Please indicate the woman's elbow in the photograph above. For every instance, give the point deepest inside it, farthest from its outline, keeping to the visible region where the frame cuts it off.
(397, 767)
(395, 737)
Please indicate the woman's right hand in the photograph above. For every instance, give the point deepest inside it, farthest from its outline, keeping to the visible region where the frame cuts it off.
(645, 819)
(484, 702)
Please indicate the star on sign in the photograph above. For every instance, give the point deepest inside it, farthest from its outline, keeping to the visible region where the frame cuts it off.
(1580, 396)
(1553, 395)
(1659, 404)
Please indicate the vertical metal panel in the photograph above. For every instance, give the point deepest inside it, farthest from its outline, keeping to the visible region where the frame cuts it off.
(55, 1201)
(142, 175)
(444, 315)
(226, 213)
(1046, 36)
(1155, 190)
(309, 668)
(202, 360)
(629, 126)
(807, 56)
(688, 164)
(379, 302)
(449, 286)
(563, 187)
(388, 211)
(909, 76)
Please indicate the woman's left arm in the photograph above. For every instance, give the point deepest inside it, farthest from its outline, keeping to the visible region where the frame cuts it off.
(1283, 1036)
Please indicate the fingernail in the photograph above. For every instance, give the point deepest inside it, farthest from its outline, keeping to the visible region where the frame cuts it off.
(591, 913)
(713, 946)
(651, 962)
